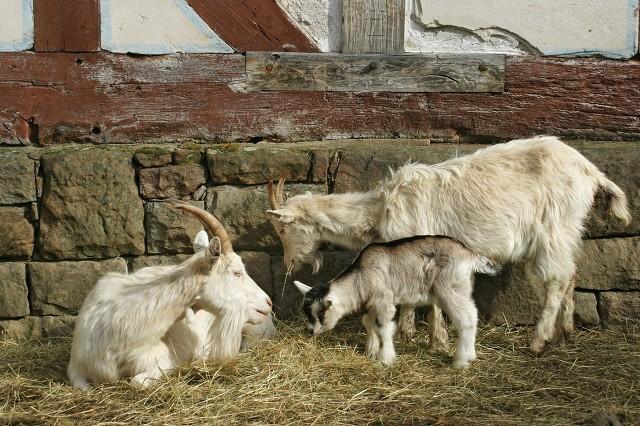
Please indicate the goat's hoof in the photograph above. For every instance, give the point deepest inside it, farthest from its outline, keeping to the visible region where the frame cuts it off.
(438, 346)
(461, 363)
(537, 346)
(387, 360)
(406, 334)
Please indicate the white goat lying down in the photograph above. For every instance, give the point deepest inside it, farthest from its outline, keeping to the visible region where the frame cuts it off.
(130, 325)
(522, 200)
(412, 272)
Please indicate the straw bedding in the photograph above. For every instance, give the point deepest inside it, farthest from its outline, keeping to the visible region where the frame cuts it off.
(296, 379)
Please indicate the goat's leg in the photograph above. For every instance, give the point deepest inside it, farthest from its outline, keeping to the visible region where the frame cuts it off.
(438, 336)
(387, 328)
(556, 289)
(463, 313)
(152, 365)
(564, 321)
(407, 322)
(373, 342)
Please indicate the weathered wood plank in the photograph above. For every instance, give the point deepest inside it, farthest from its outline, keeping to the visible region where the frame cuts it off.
(66, 26)
(252, 25)
(373, 26)
(374, 73)
(101, 68)
(578, 98)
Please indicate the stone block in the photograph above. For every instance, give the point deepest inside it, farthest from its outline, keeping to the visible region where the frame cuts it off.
(586, 309)
(286, 298)
(363, 167)
(17, 178)
(608, 264)
(516, 296)
(14, 294)
(171, 181)
(258, 266)
(16, 233)
(619, 308)
(619, 161)
(252, 165)
(59, 288)
(170, 230)
(153, 157)
(39, 327)
(168, 260)
(187, 156)
(243, 213)
(90, 205)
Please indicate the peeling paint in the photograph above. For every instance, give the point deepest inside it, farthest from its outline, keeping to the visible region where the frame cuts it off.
(320, 20)
(542, 27)
(571, 28)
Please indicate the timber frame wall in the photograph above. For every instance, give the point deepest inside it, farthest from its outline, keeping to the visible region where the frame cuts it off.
(68, 90)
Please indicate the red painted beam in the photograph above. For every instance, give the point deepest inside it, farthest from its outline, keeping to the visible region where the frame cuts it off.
(116, 98)
(258, 25)
(66, 25)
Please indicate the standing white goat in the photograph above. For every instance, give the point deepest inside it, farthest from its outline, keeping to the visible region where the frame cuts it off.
(414, 271)
(522, 200)
(125, 327)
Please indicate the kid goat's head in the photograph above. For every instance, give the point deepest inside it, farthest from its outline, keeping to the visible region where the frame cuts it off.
(320, 310)
(228, 287)
(299, 234)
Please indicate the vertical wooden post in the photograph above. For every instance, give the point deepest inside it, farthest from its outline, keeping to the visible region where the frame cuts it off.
(66, 25)
(373, 26)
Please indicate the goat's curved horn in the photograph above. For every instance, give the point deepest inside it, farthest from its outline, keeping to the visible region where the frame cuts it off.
(209, 221)
(276, 196)
(280, 192)
(272, 196)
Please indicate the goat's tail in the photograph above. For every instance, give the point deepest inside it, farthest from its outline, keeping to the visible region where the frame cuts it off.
(76, 378)
(617, 199)
(484, 265)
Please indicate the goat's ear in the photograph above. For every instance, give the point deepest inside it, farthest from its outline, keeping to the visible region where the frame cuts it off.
(201, 241)
(326, 304)
(281, 215)
(302, 288)
(213, 251)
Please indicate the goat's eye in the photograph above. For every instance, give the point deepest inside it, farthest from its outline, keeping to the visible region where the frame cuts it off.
(238, 274)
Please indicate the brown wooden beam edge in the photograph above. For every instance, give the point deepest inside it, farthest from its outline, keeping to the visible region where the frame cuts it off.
(332, 72)
(253, 25)
(66, 26)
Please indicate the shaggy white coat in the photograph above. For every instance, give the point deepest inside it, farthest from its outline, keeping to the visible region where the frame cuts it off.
(522, 200)
(142, 325)
(411, 272)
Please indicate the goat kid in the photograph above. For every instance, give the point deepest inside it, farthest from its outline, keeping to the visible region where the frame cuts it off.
(411, 272)
(125, 326)
(522, 200)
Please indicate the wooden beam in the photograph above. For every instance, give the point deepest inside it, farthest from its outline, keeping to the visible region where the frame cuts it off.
(375, 73)
(373, 26)
(252, 25)
(118, 98)
(66, 26)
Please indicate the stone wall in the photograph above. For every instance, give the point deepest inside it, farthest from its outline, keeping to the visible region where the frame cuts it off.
(68, 214)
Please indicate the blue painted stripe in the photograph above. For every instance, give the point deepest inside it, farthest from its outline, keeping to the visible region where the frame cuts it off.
(26, 41)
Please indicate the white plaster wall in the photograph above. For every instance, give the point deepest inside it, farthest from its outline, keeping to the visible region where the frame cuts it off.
(552, 27)
(549, 27)
(156, 27)
(319, 20)
(16, 25)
